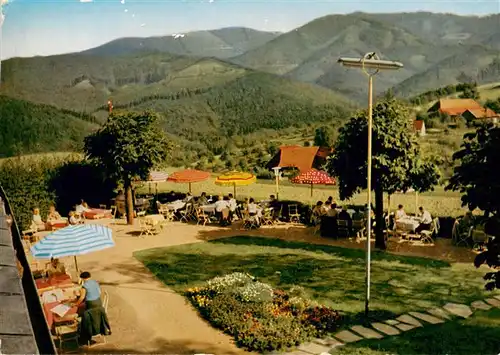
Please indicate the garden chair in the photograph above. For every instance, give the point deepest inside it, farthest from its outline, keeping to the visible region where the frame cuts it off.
(146, 228)
(201, 216)
(343, 228)
(267, 217)
(188, 214)
(66, 333)
(105, 302)
(462, 236)
(426, 235)
(293, 213)
(359, 227)
(479, 239)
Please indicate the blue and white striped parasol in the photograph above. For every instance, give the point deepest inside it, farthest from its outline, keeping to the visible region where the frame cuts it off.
(73, 240)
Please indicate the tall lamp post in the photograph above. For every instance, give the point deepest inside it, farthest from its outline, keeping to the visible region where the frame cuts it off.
(276, 170)
(371, 65)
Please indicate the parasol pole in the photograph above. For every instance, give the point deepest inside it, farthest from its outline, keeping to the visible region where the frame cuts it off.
(76, 265)
(416, 203)
(234, 189)
(189, 187)
(312, 189)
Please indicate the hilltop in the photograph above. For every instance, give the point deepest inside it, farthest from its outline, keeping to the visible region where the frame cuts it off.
(220, 43)
(30, 128)
(462, 48)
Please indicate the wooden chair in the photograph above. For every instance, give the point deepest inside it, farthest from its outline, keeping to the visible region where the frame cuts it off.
(479, 239)
(201, 216)
(267, 217)
(293, 213)
(188, 214)
(66, 333)
(343, 228)
(426, 235)
(359, 227)
(146, 228)
(105, 303)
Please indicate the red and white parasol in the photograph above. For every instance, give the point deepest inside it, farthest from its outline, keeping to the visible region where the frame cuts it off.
(313, 177)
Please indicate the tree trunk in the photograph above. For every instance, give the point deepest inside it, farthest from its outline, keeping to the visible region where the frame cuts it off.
(129, 203)
(379, 219)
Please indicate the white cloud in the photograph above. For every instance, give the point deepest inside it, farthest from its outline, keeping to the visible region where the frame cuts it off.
(143, 24)
(122, 1)
(126, 10)
(86, 0)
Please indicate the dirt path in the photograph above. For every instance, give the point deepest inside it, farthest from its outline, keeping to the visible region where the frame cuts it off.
(145, 315)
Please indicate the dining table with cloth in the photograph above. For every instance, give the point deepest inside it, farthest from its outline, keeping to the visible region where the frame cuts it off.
(408, 224)
(58, 224)
(208, 208)
(97, 213)
(154, 219)
(53, 281)
(176, 205)
(53, 318)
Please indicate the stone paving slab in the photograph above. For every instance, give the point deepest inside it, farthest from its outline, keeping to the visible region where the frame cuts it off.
(460, 310)
(405, 318)
(427, 318)
(392, 322)
(296, 352)
(405, 327)
(330, 342)
(493, 301)
(385, 328)
(313, 348)
(497, 297)
(480, 305)
(439, 312)
(347, 336)
(366, 333)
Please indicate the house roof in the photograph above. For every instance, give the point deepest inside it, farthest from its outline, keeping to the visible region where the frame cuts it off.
(418, 125)
(298, 157)
(454, 107)
(483, 113)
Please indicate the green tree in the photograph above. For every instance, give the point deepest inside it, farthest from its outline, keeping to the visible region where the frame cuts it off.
(470, 92)
(127, 147)
(324, 137)
(397, 162)
(493, 105)
(473, 175)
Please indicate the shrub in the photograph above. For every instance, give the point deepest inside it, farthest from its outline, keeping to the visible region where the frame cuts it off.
(230, 281)
(322, 318)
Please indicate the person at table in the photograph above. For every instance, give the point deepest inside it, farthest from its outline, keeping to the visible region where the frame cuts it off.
(203, 200)
(253, 209)
(53, 214)
(220, 204)
(400, 213)
(82, 207)
(36, 221)
(74, 218)
(233, 205)
(358, 215)
(332, 210)
(317, 213)
(425, 220)
(120, 197)
(55, 268)
(188, 198)
(326, 207)
(90, 293)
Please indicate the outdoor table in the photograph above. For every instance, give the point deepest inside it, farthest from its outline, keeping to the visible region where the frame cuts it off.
(208, 208)
(176, 205)
(54, 281)
(53, 225)
(53, 318)
(97, 213)
(154, 219)
(407, 224)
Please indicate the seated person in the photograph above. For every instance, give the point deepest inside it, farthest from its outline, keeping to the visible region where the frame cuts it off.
(220, 204)
(36, 221)
(344, 215)
(232, 204)
(74, 219)
(332, 211)
(318, 210)
(326, 207)
(53, 214)
(330, 200)
(82, 207)
(188, 197)
(358, 215)
(425, 220)
(55, 268)
(400, 213)
(203, 200)
(253, 209)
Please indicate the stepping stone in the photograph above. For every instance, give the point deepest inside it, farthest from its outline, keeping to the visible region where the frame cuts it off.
(313, 348)
(296, 352)
(460, 310)
(367, 333)
(439, 312)
(493, 301)
(347, 336)
(385, 328)
(405, 327)
(427, 318)
(405, 318)
(392, 322)
(330, 342)
(497, 297)
(480, 305)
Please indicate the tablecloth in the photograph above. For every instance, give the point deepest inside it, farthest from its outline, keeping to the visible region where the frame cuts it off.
(52, 225)
(54, 318)
(154, 219)
(176, 205)
(97, 213)
(208, 208)
(407, 225)
(54, 281)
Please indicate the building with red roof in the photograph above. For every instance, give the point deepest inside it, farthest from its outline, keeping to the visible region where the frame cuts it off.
(301, 158)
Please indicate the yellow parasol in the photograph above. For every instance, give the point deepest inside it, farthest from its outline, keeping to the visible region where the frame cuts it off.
(235, 178)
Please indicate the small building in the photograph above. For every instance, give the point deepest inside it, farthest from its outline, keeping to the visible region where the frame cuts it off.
(419, 128)
(480, 115)
(301, 158)
(453, 107)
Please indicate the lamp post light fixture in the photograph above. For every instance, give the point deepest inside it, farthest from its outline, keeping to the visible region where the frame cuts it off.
(276, 170)
(371, 66)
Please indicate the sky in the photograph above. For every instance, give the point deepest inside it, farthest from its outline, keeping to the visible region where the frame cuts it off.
(46, 27)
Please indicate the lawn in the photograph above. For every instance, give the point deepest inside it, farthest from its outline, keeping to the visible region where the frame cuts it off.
(331, 275)
(476, 335)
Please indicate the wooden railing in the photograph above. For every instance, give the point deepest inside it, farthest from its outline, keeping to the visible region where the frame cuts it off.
(19, 337)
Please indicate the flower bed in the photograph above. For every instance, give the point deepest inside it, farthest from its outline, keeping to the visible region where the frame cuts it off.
(259, 317)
